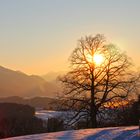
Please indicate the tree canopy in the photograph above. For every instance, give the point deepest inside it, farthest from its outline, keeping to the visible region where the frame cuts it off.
(100, 72)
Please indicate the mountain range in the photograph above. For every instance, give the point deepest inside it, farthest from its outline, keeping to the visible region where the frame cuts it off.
(16, 83)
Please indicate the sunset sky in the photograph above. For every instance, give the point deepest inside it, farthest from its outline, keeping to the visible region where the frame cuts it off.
(37, 36)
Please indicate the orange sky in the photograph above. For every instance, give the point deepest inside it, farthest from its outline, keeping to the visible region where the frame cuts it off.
(38, 36)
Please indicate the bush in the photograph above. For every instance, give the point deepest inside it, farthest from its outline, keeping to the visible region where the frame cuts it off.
(55, 124)
(82, 124)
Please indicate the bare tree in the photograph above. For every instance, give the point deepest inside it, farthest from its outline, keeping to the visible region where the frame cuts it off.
(99, 73)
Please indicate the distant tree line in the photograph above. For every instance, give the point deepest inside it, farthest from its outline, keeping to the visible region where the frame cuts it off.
(125, 115)
(16, 120)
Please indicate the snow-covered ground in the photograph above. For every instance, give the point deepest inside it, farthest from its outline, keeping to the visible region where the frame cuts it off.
(113, 133)
(64, 115)
(45, 114)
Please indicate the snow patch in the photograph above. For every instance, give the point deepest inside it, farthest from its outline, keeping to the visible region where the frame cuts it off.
(112, 133)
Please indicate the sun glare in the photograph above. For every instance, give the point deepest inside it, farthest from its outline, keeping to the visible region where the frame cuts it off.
(97, 59)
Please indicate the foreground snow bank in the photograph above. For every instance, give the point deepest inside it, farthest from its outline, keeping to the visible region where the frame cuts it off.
(113, 133)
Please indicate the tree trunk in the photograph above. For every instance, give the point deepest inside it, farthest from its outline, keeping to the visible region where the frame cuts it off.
(93, 120)
(93, 110)
(93, 113)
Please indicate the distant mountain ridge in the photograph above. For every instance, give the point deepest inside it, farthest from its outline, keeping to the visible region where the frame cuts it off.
(53, 76)
(16, 83)
(37, 102)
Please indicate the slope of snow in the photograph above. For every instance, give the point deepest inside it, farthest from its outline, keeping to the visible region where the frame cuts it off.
(113, 133)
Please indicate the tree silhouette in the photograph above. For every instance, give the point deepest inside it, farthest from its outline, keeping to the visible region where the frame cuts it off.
(89, 85)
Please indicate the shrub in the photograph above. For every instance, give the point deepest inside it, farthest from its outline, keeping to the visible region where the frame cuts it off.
(55, 124)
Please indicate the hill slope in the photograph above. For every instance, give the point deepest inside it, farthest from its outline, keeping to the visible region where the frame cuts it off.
(15, 83)
(114, 133)
(37, 102)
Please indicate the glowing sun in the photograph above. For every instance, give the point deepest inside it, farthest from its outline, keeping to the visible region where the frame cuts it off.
(97, 59)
